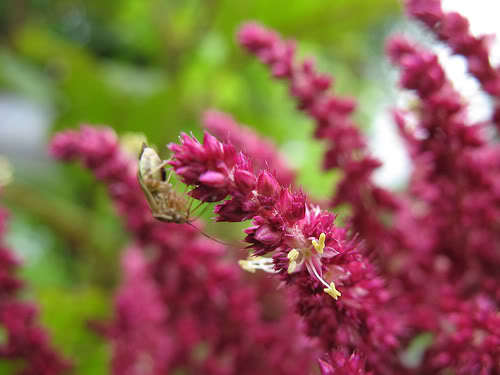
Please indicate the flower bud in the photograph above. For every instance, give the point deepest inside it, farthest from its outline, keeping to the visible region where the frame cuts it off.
(267, 236)
(232, 211)
(213, 179)
(244, 180)
(211, 144)
(292, 205)
(267, 185)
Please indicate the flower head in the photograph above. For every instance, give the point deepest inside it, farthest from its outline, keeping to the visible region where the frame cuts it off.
(309, 257)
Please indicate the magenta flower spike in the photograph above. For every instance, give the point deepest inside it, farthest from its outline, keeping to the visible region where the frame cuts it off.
(139, 332)
(25, 341)
(453, 187)
(453, 29)
(297, 241)
(346, 146)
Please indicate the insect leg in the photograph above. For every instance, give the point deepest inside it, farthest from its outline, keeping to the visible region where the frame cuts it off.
(196, 208)
(169, 176)
(149, 197)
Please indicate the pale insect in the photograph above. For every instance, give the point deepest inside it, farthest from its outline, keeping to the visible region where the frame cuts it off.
(166, 204)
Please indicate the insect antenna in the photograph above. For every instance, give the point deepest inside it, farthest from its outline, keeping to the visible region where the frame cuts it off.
(207, 235)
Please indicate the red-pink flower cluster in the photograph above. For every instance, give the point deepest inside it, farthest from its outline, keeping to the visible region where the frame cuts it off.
(202, 317)
(440, 252)
(139, 333)
(450, 156)
(443, 243)
(25, 340)
(453, 29)
(308, 250)
(339, 363)
(346, 145)
(262, 151)
(454, 182)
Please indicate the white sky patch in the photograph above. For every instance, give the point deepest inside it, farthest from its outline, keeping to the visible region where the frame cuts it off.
(385, 143)
(388, 147)
(483, 17)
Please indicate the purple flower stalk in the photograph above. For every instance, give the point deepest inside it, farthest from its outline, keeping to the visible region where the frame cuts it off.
(454, 182)
(337, 289)
(346, 144)
(448, 161)
(25, 339)
(139, 332)
(310, 89)
(453, 29)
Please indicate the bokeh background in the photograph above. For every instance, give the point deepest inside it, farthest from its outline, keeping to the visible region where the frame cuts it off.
(153, 67)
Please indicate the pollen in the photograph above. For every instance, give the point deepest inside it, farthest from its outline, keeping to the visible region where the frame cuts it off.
(332, 291)
(319, 246)
(292, 256)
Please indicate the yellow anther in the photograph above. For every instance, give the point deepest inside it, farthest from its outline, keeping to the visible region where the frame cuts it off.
(332, 291)
(319, 246)
(292, 256)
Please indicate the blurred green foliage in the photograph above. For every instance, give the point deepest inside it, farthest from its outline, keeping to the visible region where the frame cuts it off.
(152, 67)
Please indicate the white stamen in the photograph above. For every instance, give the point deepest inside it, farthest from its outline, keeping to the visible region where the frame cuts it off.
(253, 263)
(311, 268)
